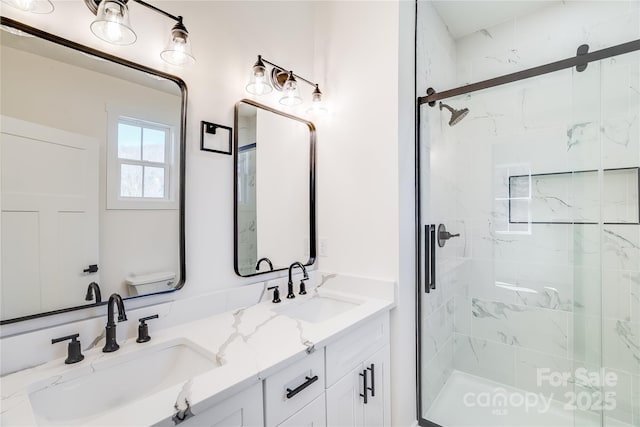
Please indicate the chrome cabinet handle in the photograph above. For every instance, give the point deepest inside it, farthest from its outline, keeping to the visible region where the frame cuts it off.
(307, 383)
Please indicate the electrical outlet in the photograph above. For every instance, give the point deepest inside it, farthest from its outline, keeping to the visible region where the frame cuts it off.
(323, 247)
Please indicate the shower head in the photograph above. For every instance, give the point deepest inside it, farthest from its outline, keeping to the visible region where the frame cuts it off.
(456, 115)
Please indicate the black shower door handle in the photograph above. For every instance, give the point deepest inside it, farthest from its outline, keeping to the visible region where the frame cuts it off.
(429, 257)
(433, 256)
(427, 271)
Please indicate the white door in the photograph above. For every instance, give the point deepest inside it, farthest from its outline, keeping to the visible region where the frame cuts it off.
(344, 403)
(376, 411)
(49, 223)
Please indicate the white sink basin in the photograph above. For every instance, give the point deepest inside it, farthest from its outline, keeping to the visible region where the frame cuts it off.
(317, 308)
(90, 390)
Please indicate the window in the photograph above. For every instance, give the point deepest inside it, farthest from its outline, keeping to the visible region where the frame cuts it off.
(140, 165)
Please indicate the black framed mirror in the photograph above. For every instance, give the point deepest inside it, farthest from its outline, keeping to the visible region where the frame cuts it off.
(274, 190)
(92, 176)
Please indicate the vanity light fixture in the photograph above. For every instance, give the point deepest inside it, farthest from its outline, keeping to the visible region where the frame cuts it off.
(33, 6)
(112, 25)
(285, 81)
(258, 82)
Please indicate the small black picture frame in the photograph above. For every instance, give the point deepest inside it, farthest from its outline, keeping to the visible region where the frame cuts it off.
(212, 129)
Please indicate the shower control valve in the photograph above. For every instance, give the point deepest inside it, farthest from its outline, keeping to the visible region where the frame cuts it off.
(444, 235)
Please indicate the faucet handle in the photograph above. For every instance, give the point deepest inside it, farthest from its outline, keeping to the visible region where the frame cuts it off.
(74, 351)
(143, 329)
(303, 289)
(276, 294)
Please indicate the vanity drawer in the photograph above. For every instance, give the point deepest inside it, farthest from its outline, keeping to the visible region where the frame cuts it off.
(347, 352)
(302, 382)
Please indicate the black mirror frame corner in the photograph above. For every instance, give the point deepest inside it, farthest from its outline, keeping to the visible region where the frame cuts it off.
(8, 22)
(312, 186)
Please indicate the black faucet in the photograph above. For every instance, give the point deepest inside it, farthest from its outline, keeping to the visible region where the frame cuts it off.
(290, 293)
(111, 344)
(267, 260)
(91, 290)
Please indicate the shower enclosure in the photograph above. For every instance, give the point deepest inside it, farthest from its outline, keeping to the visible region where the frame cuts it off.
(528, 216)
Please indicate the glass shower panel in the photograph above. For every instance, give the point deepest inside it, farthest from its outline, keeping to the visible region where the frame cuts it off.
(620, 237)
(541, 182)
(584, 153)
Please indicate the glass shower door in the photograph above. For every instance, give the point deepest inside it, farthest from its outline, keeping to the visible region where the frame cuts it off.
(530, 315)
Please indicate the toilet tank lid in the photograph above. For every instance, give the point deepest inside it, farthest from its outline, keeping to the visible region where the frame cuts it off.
(143, 279)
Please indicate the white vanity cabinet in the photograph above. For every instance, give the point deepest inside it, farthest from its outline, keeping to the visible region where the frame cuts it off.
(312, 415)
(323, 389)
(291, 390)
(243, 409)
(354, 364)
(361, 396)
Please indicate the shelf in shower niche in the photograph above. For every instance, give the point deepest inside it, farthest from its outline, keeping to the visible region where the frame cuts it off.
(575, 197)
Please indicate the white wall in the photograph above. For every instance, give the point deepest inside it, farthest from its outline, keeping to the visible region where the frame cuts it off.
(358, 50)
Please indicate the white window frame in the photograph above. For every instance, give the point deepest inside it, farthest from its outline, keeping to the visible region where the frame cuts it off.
(142, 119)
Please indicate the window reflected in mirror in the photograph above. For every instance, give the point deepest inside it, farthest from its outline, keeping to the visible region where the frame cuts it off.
(90, 188)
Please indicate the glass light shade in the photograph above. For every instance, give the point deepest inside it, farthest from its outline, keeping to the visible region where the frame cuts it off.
(178, 50)
(317, 106)
(291, 96)
(33, 6)
(112, 23)
(259, 81)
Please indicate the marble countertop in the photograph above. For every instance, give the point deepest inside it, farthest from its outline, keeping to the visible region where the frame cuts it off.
(249, 344)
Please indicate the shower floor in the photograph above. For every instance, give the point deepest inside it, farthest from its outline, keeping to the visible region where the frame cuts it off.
(450, 410)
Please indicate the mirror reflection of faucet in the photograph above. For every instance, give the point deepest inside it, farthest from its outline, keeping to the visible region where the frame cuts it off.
(93, 289)
(444, 235)
(265, 259)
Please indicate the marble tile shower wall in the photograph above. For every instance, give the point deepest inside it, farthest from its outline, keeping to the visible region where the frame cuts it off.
(247, 213)
(556, 296)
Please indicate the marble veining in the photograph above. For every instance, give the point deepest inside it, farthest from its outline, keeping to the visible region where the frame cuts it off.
(578, 133)
(486, 33)
(182, 401)
(515, 325)
(619, 132)
(96, 340)
(324, 278)
(248, 344)
(623, 249)
(495, 310)
(629, 339)
(512, 57)
(549, 297)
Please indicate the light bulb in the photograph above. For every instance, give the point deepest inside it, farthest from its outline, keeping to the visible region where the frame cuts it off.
(291, 96)
(33, 6)
(317, 106)
(258, 83)
(112, 23)
(178, 50)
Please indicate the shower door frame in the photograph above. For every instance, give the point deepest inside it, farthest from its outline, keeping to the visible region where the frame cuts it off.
(580, 61)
